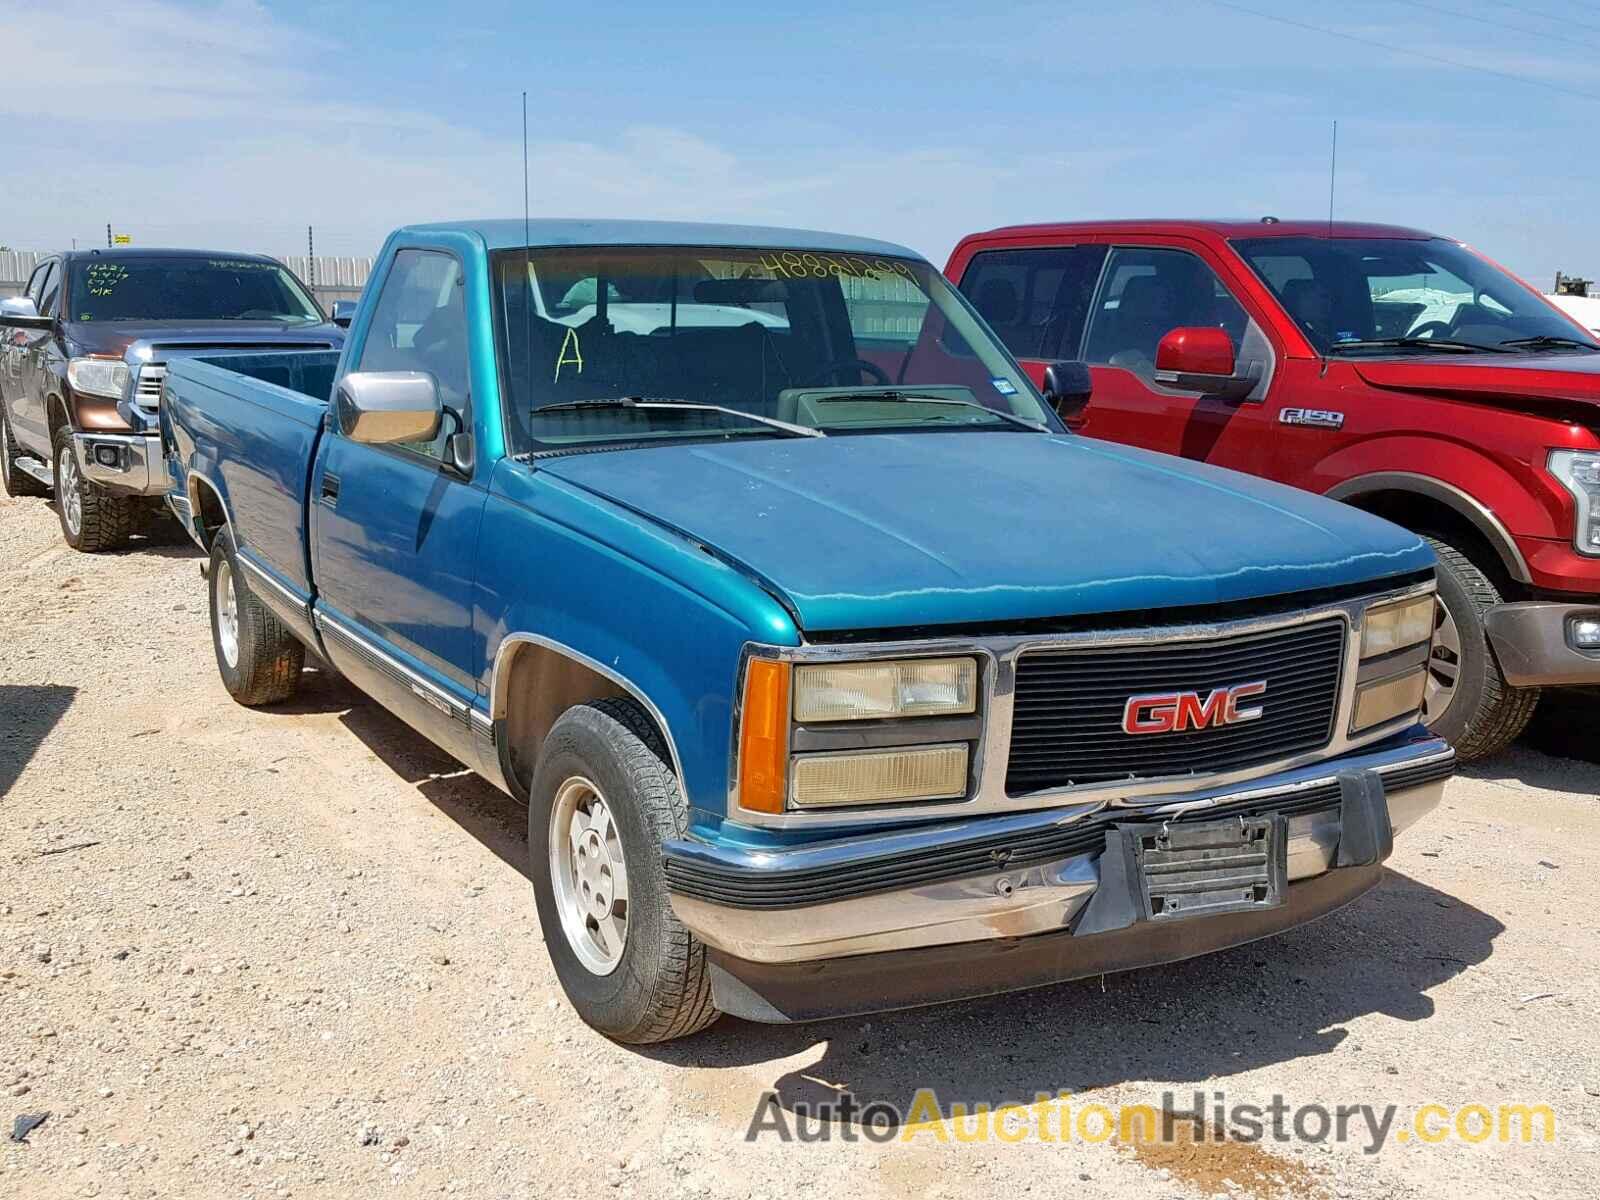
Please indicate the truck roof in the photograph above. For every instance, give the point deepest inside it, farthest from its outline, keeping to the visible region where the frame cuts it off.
(510, 233)
(1238, 227)
(160, 252)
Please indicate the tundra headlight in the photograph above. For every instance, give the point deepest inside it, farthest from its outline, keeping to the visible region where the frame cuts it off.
(1396, 626)
(1579, 472)
(876, 691)
(106, 377)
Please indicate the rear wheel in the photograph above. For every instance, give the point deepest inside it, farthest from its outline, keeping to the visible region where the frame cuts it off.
(602, 803)
(12, 477)
(259, 659)
(1468, 701)
(92, 520)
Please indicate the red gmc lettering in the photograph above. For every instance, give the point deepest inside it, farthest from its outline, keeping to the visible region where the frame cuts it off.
(1175, 712)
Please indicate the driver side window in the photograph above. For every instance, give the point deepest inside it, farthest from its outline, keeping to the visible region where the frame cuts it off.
(1145, 295)
(420, 324)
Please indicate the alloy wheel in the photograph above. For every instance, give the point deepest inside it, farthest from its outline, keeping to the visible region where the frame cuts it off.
(589, 875)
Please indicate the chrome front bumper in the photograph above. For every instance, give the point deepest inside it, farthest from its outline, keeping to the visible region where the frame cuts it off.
(954, 883)
(1533, 643)
(129, 464)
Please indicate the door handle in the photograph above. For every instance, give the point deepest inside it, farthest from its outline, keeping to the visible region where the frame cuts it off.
(330, 488)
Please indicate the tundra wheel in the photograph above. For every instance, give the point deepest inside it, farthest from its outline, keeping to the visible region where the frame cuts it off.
(602, 803)
(92, 520)
(1468, 702)
(13, 478)
(259, 659)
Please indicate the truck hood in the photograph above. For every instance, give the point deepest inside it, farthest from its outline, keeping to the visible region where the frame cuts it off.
(1558, 383)
(891, 531)
(116, 337)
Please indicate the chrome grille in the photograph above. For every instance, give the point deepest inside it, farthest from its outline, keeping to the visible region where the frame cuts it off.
(1067, 723)
(148, 392)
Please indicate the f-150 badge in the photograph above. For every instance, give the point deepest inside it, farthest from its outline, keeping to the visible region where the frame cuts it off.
(1321, 418)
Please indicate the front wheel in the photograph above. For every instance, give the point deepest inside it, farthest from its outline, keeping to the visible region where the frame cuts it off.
(602, 803)
(92, 520)
(1468, 701)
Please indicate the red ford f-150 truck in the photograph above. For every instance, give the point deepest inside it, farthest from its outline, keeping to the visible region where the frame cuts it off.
(1398, 371)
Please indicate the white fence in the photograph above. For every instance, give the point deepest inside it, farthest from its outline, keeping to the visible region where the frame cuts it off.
(329, 277)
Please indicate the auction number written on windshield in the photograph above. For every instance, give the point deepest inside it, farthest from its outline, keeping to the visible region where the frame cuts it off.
(797, 264)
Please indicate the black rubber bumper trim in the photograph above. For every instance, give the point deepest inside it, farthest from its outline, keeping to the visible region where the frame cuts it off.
(867, 983)
(776, 889)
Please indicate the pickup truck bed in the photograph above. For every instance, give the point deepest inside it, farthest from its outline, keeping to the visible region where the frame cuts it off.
(248, 425)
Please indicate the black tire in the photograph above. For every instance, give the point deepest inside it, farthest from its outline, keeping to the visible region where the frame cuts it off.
(268, 659)
(105, 521)
(1486, 714)
(659, 989)
(12, 478)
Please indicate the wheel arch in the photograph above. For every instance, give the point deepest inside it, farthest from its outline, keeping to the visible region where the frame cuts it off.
(1421, 501)
(208, 509)
(534, 680)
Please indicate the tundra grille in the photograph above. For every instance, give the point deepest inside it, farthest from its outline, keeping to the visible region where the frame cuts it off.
(148, 392)
(1067, 723)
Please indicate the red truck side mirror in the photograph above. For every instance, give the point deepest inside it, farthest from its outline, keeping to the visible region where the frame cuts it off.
(1200, 359)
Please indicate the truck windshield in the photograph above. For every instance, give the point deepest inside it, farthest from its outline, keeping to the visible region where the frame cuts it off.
(1358, 296)
(836, 342)
(186, 288)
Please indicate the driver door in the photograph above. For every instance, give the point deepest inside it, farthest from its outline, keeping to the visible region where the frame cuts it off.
(1145, 292)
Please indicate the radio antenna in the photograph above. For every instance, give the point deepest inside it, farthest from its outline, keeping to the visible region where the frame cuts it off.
(527, 259)
(1333, 172)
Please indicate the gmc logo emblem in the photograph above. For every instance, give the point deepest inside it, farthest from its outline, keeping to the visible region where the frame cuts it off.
(1174, 712)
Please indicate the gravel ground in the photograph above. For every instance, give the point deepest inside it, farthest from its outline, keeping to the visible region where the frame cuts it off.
(293, 953)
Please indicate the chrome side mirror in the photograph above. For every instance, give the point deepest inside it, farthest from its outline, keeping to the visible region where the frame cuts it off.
(382, 407)
(21, 311)
(342, 313)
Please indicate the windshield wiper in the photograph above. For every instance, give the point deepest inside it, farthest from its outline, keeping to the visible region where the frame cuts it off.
(894, 394)
(1547, 341)
(657, 403)
(1416, 343)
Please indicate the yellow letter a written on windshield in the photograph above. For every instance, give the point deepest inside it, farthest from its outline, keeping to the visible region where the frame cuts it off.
(576, 358)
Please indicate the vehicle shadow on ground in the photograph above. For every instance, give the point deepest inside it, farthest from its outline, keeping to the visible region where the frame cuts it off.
(1277, 1000)
(490, 816)
(27, 715)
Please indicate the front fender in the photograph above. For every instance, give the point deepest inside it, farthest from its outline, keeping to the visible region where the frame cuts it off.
(639, 603)
(1469, 482)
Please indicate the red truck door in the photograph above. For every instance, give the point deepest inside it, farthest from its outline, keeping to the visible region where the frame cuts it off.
(1110, 305)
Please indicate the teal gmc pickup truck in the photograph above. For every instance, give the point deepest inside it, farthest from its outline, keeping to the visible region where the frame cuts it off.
(835, 674)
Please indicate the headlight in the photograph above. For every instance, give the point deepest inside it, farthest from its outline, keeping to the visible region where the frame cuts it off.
(1579, 472)
(880, 776)
(876, 691)
(98, 377)
(1396, 626)
(1386, 699)
(788, 760)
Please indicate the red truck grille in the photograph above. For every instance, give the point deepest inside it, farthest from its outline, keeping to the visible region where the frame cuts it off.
(1067, 725)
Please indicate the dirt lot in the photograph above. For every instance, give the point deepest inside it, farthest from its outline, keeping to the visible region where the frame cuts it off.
(293, 952)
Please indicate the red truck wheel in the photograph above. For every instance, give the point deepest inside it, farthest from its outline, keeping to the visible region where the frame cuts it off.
(1469, 702)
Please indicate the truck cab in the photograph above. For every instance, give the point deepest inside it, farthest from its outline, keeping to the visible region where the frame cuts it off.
(1386, 367)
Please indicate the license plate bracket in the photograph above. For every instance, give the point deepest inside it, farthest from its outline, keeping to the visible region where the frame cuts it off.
(1197, 869)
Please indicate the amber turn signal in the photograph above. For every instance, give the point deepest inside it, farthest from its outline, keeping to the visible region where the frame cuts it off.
(764, 736)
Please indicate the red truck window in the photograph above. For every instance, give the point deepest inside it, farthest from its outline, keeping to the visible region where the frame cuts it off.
(1149, 292)
(1035, 300)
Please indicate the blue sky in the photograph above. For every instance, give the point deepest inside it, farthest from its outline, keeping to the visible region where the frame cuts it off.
(238, 123)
